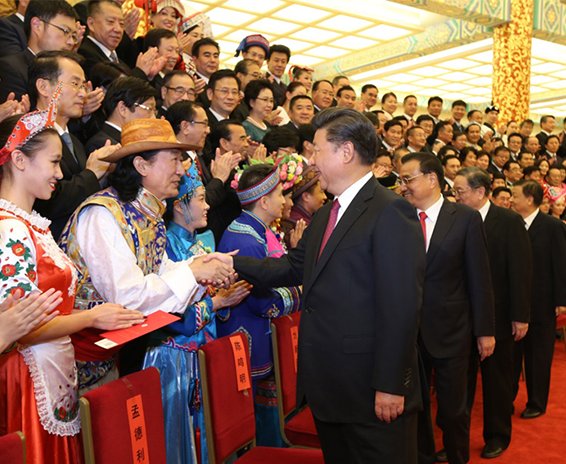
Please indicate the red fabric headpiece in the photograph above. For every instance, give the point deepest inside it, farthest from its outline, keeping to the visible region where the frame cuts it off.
(30, 125)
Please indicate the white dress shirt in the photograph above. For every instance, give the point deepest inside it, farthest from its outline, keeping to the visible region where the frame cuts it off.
(529, 219)
(431, 218)
(348, 195)
(484, 210)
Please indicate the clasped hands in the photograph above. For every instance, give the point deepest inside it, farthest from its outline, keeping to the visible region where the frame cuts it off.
(215, 269)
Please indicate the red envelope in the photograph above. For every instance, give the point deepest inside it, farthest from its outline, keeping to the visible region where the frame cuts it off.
(153, 322)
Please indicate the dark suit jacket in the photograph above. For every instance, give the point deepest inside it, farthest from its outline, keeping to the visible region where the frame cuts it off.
(511, 266)
(541, 136)
(12, 36)
(361, 303)
(278, 90)
(291, 125)
(548, 242)
(458, 298)
(14, 74)
(93, 54)
(99, 139)
(77, 184)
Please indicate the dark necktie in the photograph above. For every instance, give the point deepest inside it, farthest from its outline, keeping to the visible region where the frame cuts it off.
(67, 139)
(330, 226)
(422, 217)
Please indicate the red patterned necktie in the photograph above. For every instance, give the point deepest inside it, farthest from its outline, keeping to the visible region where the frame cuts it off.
(422, 217)
(330, 226)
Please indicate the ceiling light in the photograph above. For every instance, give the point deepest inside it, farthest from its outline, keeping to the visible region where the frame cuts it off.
(535, 89)
(258, 7)
(274, 26)
(458, 76)
(431, 82)
(485, 70)
(406, 88)
(485, 57)
(315, 35)
(218, 29)
(456, 87)
(454, 96)
(228, 17)
(558, 85)
(300, 13)
(354, 43)
(384, 32)
(431, 92)
(428, 71)
(480, 81)
(477, 99)
(546, 68)
(546, 79)
(480, 91)
(548, 50)
(344, 23)
(305, 60)
(402, 78)
(240, 34)
(327, 52)
(458, 64)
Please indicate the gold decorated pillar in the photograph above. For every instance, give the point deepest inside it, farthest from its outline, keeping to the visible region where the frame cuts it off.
(512, 63)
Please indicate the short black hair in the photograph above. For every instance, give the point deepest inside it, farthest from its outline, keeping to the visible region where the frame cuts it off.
(508, 164)
(389, 124)
(280, 137)
(522, 153)
(428, 164)
(348, 125)
(154, 36)
(181, 111)
(94, 6)
(306, 134)
(243, 66)
(278, 48)
(526, 121)
(471, 113)
(501, 148)
(529, 170)
(46, 11)
(435, 98)
(220, 131)
(46, 66)
(445, 149)
(130, 90)
(552, 136)
(337, 79)
(546, 117)
(472, 124)
(366, 87)
(372, 118)
(459, 103)
(476, 178)
(424, 117)
(387, 95)
(222, 74)
(344, 88)
(514, 134)
(498, 190)
(447, 158)
(316, 84)
(254, 88)
(464, 152)
(407, 97)
(296, 98)
(201, 43)
(531, 188)
(171, 74)
(412, 129)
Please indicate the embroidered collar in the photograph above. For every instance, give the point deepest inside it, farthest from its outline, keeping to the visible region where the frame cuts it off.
(149, 205)
(262, 227)
(183, 233)
(34, 220)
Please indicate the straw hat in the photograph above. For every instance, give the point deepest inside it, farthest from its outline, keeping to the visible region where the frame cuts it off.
(141, 135)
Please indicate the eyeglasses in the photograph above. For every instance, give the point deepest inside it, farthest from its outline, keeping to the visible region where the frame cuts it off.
(181, 91)
(66, 32)
(407, 180)
(147, 108)
(254, 55)
(226, 92)
(266, 99)
(459, 192)
(77, 87)
(204, 123)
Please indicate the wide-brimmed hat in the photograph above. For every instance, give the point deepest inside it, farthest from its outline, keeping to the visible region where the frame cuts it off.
(141, 135)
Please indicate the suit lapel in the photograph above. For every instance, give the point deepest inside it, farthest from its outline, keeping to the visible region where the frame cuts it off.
(491, 219)
(441, 229)
(354, 211)
(536, 225)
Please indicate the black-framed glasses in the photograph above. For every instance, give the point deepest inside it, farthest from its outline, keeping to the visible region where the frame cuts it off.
(66, 32)
(181, 91)
(147, 108)
(204, 123)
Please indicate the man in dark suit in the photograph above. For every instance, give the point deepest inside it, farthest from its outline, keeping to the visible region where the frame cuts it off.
(277, 60)
(301, 111)
(548, 243)
(127, 98)
(547, 125)
(12, 36)
(457, 305)
(510, 262)
(81, 176)
(357, 368)
(106, 30)
(44, 26)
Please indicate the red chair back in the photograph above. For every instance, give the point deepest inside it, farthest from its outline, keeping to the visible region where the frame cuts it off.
(105, 419)
(229, 413)
(13, 448)
(284, 357)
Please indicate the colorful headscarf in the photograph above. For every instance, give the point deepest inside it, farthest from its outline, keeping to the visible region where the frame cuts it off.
(256, 40)
(196, 18)
(190, 182)
(291, 168)
(31, 124)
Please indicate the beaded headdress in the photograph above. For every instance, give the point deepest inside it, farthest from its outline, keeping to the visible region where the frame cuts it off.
(31, 124)
(256, 40)
(298, 66)
(265, 187)
(194, 18)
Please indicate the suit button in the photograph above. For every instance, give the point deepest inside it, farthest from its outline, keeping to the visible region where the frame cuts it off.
(309, 310)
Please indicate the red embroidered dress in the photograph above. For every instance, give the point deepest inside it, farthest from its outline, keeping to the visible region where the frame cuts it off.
(38, 383)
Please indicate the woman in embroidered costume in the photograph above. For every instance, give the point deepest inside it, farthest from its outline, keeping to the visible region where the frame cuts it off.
(174, 350)
(116, 238)
(260, 192)
(38, 389)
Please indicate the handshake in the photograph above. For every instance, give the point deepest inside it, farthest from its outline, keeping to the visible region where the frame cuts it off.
(215, 269)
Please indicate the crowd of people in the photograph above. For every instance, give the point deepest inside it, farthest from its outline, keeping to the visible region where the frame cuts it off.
(133, 171)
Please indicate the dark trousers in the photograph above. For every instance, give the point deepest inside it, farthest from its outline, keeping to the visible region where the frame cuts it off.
(374, 442)
(537, 348)
(450, 382)
(497, 391)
